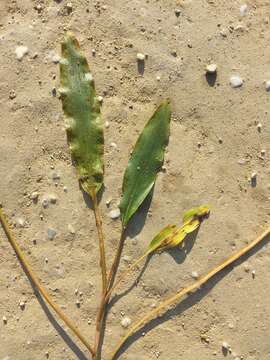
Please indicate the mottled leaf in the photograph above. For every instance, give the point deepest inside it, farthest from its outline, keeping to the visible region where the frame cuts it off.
(145, 162)
(160, 237)
(82, 116)
(198, 212)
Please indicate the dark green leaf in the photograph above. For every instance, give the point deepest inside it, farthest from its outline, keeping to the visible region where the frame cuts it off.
(82, 116)
(145, 162)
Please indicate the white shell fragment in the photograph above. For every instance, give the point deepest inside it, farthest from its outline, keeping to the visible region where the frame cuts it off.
(140, 57)
(115, 213)
(21, 51)
(22, 305)
(51, 233)
(267, 85)
(126, 321)
(236, 81)
(211, 68)
(195, 275)
(243, 9)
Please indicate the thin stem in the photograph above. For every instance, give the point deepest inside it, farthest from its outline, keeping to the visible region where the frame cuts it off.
(101, 242)
(106, 295)
(37, 283)
(125, 273)
(116, 261)
(174, 298)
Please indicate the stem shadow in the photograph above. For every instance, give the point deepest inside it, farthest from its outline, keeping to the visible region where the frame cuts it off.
(66, 338)
(190, 300)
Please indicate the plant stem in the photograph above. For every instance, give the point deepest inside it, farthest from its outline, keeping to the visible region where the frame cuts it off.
(101, 242)
(186, 291)
(116, 260)
(37, 283)
(125, 273)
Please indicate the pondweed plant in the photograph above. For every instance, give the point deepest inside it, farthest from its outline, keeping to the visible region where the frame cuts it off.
(85, 137)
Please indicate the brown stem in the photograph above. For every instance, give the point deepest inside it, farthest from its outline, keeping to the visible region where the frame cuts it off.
(117, 257)
(101, 242)
(106, 295)
(176, 297)
(38, 285)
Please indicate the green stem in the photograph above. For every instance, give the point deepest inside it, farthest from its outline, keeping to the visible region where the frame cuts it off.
(38, 285)
(181, 293)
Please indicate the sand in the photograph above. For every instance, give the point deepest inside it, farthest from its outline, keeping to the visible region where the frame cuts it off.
(215, 147)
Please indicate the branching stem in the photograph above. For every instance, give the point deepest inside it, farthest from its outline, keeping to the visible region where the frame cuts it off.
(186, 291)
(37, 283)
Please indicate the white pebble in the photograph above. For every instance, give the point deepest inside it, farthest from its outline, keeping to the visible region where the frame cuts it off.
(71, 229)
(56, 59)
(267, 85)
(108, 202)
(158, 78)
(126, 321)
(113, 145)
(263, 152)
(211, 68)
(253, 272)
(107, 124)
(88, 77)
(22, 305)
(236, 81)
(100, 99)
(78, 304)
(51, 233)
(254, 175)
(243, 9)
(140, 57)
(21, 51)
(259, 127)
(195, 275)
(65, 189)
(225, 345)
(20, 222)
(76, 291)
(115, 213)
(4, 319)
(45, 203)
(34, 196)
(52, 198)
(69, 6)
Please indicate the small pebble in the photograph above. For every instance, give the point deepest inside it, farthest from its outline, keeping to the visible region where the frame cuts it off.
(56, 59)
(225, 345)
(259, 127)
(52, 198)
(12, 94)
(243, 9)
(78, 304)
(45, 203)
(4, 319)
(46, 260)
(140, 57)
(21, 51)
(125, 322)
(20, 222)
(115, 213)
(113, 145)
(211, 69)
(55, 176)
(177, 12)
(267, 85)
(80, 293)
(108, 202)
(236, 81)
(100, 99)
(76, 291)
(71, 229)
(22, 305)
(51, 233)
(34, 196)
(263, 152)
(253, 273)
(69, 6)
(194, 275)
(158, 78)
(93, 52)
(107, 124)
(65, 189)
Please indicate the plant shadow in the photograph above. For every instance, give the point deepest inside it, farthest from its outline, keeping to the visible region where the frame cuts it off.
(180, 256)
(191, 299)
(66, 338)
